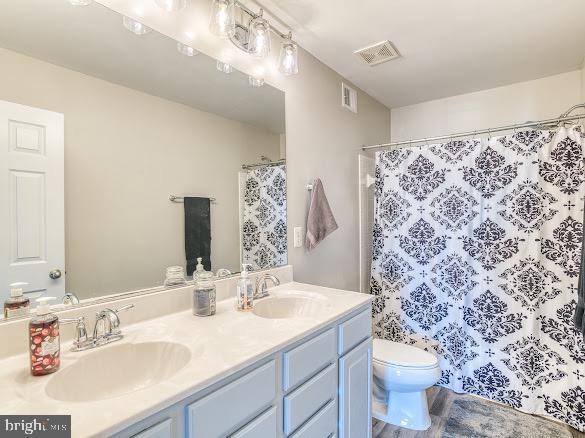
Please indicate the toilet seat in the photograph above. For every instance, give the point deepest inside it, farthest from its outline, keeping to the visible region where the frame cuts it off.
(397, 355)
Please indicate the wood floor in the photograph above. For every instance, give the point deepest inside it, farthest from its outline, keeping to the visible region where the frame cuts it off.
(440, 401)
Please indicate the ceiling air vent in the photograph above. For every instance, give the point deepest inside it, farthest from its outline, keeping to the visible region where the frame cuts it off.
(378, 53)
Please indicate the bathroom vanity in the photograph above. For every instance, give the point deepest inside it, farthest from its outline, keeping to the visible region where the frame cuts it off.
(298, 365)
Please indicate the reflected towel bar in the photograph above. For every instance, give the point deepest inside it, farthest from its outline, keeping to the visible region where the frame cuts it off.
(174, 198)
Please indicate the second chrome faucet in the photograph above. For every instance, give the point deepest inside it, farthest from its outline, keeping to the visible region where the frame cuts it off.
(106, 329)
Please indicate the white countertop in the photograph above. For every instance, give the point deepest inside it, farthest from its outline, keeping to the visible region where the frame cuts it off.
(220, 345)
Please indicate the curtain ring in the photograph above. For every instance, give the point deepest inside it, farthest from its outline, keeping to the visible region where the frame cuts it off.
(489, 134)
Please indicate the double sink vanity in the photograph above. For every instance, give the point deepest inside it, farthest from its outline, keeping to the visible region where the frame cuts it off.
(298, 364)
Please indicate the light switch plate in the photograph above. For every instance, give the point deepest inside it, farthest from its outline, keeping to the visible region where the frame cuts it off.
(298, 237)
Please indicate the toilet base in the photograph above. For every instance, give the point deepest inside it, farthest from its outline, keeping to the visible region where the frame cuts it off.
(405, 409)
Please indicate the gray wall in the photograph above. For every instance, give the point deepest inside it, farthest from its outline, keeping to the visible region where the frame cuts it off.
(125, 153)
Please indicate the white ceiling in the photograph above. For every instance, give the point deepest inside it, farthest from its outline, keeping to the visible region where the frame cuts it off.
(92, 40)
(449, 47)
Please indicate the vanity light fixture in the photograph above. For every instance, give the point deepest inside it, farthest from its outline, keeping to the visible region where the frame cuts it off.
(81, 2)
(136, 27)
(224, 67)
(288, 61)
(255, 82)
(251, 33)
(223, 22)
(186, 50)
(259, 36)
(171, 5)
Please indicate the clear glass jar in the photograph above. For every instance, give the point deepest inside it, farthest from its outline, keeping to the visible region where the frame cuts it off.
(175, 276)
(204, 295)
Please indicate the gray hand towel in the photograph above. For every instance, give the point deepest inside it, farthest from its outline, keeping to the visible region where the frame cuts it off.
(320, 222)
(579, 320)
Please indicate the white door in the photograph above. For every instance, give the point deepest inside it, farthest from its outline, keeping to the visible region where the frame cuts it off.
(32, 231)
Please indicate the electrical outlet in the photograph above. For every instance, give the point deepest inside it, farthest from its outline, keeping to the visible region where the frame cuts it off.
(298, 237)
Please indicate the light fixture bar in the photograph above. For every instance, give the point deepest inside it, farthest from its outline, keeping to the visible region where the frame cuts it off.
(253, 14)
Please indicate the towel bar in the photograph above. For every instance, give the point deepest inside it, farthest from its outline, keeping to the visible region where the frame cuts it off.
(174, 198)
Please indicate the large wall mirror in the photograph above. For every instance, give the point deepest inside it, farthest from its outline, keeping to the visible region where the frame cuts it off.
(124, 153)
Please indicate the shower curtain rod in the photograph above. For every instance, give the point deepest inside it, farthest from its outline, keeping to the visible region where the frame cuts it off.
(562, 118)
(253, 166)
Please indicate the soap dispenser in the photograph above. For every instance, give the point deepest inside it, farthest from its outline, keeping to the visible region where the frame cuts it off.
(44, 347)
(245, 291)
(204, 293)
(17, 304)
(199, 269)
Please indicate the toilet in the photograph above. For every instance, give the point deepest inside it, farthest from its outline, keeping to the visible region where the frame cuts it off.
(402, 373)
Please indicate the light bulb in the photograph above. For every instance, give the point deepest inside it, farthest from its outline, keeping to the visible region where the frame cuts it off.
(186, 50)
(259, 37)
(81, 2)
(136, 27)
(224, 67)
(288, 63)
(222, 21)
(171, 5)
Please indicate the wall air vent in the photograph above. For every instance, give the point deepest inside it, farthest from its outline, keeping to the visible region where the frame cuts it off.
(378, 53)
(348, 98)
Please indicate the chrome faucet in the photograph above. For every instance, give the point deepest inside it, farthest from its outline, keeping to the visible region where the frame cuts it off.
(107, 325)
(70, 299)
(261, 289)
(106, 329)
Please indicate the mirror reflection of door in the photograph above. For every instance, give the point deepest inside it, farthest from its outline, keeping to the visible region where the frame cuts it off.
(32, 237)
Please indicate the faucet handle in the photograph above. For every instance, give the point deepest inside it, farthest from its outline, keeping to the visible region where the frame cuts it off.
(80, 330)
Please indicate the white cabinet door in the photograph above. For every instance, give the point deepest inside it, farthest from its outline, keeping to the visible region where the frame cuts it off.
(355, 392)
(32, 233)
(163, 429)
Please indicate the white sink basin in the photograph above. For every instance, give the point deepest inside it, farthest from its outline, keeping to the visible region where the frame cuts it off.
(294, 305)
(115, 370)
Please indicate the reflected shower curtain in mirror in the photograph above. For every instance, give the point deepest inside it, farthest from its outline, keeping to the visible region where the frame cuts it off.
(476, 252)
(264, 236)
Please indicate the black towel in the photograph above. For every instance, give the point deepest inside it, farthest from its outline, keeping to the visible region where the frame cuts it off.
(197, 233)
(579, 321)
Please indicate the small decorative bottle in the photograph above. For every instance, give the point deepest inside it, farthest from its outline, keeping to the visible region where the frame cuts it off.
(17, 304)
(245, 291)
(44, 347)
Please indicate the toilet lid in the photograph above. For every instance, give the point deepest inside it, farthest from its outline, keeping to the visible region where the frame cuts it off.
(402, 355)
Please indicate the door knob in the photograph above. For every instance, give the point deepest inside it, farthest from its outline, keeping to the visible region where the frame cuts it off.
(55, 274)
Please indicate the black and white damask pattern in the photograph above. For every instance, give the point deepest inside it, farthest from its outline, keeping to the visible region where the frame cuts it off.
(476, 255)
(421, 178)
(490, 318)
(264, 235)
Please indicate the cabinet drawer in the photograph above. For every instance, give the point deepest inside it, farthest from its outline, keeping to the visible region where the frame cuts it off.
(322, 425)
(232, 406)
(354, 330)
(307, 359)
(264, 426)
(163, 429)
(304, 402)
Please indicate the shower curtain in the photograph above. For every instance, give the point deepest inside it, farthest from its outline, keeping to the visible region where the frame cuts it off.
(264, 236)
(476, 252)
